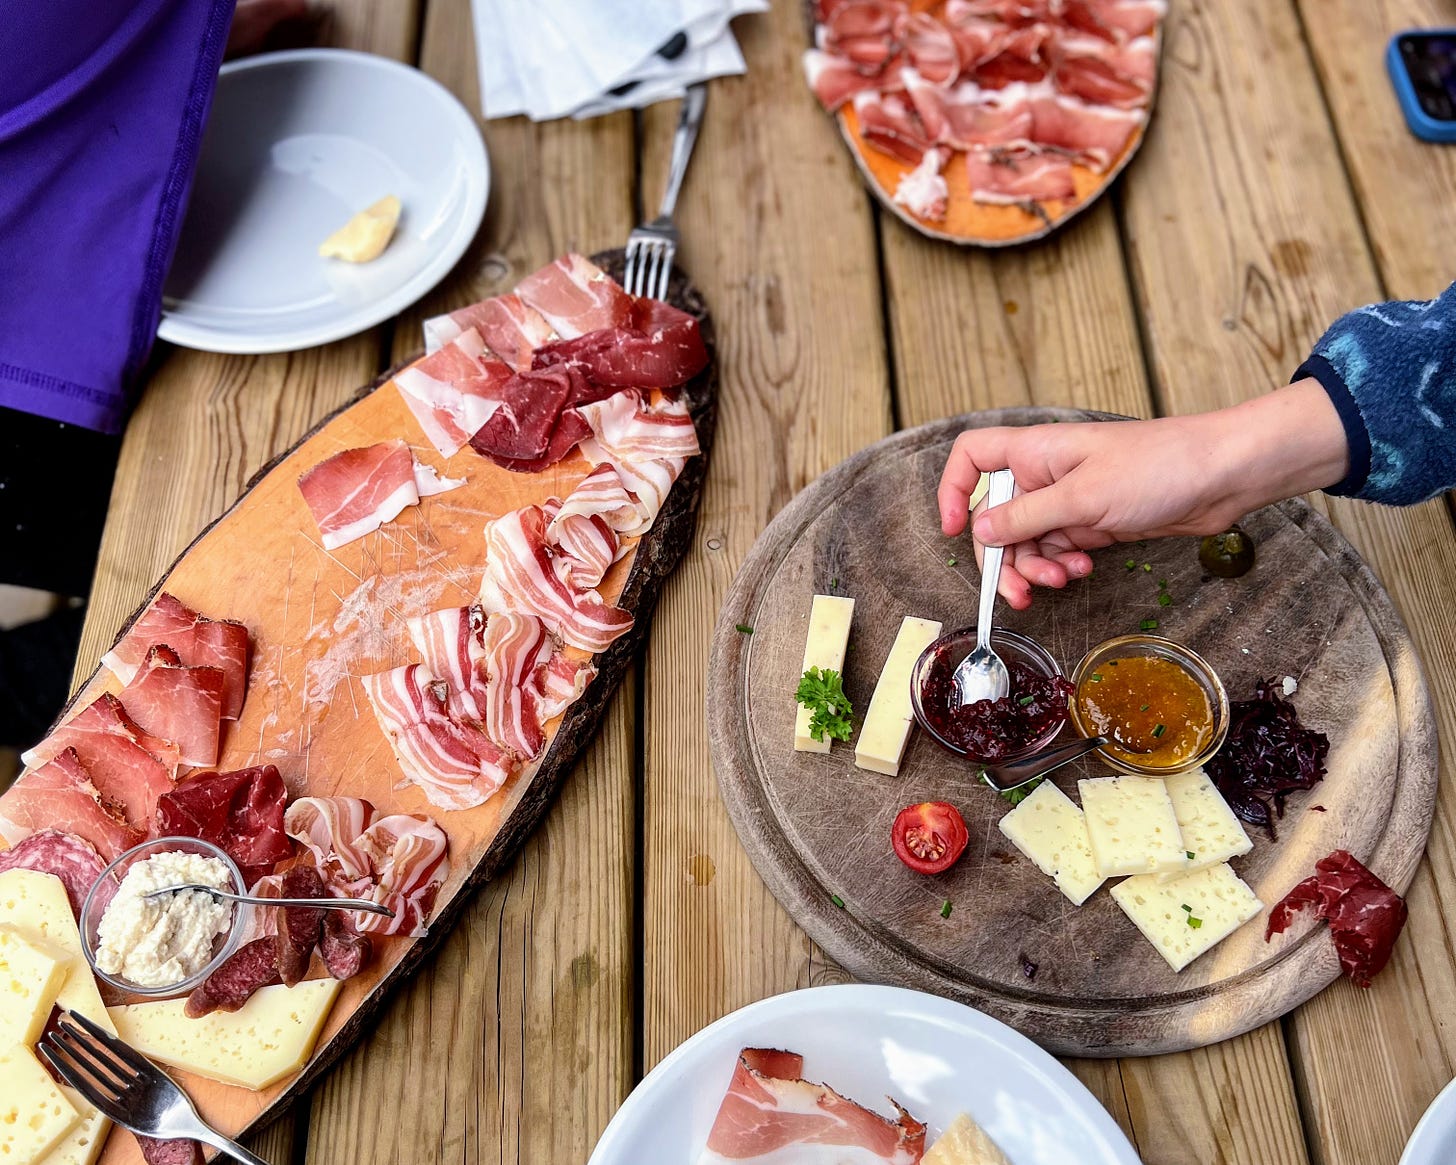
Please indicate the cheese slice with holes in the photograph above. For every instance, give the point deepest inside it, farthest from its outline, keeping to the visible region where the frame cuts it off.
(32, 972)
(1211, 832)
(1050, 830)
(1186, 916)
(36, 905)
(829, 620)
(271, 1036)
(889, 719)
(82, 1145)
(1132, 826)
(34, 1115)
(964, 1142)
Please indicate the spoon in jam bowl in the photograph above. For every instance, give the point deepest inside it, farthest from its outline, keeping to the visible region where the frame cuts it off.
(321, 903)
(982, 675)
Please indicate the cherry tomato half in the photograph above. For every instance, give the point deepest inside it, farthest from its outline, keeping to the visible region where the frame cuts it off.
(929, 837)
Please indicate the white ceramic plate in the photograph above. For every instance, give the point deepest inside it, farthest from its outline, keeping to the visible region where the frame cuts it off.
(936, 1057)
(298, 143)
(1434, 1140)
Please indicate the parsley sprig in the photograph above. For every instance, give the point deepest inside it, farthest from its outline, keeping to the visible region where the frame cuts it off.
(821, 690)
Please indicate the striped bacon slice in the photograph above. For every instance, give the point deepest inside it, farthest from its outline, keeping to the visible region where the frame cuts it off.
(632, 430)
(197, 640)
(449, 645)
(513, 645)
(452, 392)
(329, 827)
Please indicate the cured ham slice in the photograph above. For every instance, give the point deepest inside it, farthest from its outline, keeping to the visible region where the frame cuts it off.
(600, 494)
(1094, 133)
(634, 431)
(178, 703)
(834, 79)
(536, 425)
(130, 766)
(923, 191)
(585, 548)
(976, 37)
(508, 326)
(355, 492)
(969, 116)
(455, 764)
(929, 45)
(70, 858)
(1019, 59)
(658, 347)
(1011, 12)
(890, 124)
(560, 681)
(1007, 177)
(1116, 20)
(452, 392)
(770, 1116)
(863, 31)
(240, 812)
(647, 481)
(60, 795)
(197, 640)
(576, 296)
(1089, 68)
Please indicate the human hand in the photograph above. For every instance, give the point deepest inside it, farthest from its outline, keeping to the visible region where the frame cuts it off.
(1085, 486)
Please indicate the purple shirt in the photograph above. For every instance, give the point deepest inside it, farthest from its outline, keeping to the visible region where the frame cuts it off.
(102, 106)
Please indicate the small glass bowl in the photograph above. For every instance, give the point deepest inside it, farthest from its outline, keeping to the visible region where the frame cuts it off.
(104, 889)
(1012, 647)
(1192, 664)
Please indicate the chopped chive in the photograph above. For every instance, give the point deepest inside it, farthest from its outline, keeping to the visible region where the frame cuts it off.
(1148, 625)
(1158, 730)
(1130, 564)
(951, 561)
(1097, 677)
(1148, 566)
(1025, 700)
(744, 628)
(1187, 908)
(834, 584)
(837, 900)
(1195, 923)
(945, 909)
(1165, 599)
(1162, 584)
(1143, 708)
(1191, 854)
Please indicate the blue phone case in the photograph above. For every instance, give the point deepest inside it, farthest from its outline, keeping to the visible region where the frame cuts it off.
(1421, 123)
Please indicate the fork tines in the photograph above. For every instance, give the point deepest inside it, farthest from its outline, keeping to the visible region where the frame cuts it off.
(649, 264)
(95, 1063)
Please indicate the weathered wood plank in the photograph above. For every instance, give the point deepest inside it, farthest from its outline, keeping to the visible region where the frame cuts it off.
(777, 233)
(1237, 277)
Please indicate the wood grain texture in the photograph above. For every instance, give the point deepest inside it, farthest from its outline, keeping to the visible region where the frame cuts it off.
(777, 233)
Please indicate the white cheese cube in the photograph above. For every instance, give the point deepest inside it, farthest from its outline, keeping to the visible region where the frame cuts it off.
(828, 638)
(1132, 826)
(34, 1115)
(964, 1142)
(1211, 832)
(36, 905)
(1183, 917)
(889, 719)
(1050, 830)
(32, 972)
(269, 1037)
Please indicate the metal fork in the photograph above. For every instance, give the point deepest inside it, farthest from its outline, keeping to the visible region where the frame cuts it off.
(127, 1087)
(652, 246)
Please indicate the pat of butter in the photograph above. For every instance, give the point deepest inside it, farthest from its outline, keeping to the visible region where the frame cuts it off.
(964, 1142)
(32, 972)
(364, 236)
(269, 1037)
(828, 639)
(1211, 832)
(1132, 826)
(1050, 830)
(1186, 916)
(889, 719)
(34, 1115)
(36, 905)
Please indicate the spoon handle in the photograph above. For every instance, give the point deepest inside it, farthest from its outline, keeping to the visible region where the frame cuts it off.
(321, 903)
(998, 493)
(1016, 773)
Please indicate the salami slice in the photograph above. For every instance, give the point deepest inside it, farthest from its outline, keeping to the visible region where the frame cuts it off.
(302, 926)
(251, 966)
(176, 1151)
(72, 859)
(344, 949)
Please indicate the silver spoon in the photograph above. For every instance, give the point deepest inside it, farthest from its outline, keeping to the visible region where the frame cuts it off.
(1014, 774)
(322, 903)
(982, 675)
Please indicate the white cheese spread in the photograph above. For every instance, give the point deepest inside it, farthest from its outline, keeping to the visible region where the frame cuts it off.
(160, 941)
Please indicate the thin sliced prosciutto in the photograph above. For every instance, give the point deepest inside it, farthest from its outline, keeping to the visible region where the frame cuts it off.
(657, 347)
(967, 115)
(771, 1116)
(1115, 20)
(61, 795)
(240, 812)
(576, 296)
(537, 424)
(923, 191)
(1096, 134)
(355, 492)
(178, 703)
(197, 640)
(1008, 177)
(929, 45)
(130, 766)
(507, 325)
(835, 79)
(452, 391)
(889, 123)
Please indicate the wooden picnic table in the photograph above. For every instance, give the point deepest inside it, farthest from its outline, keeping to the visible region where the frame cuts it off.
(1278, 188)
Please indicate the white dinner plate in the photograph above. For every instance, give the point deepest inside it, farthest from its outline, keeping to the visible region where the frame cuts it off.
(936, 1057)
(1434, 1140)
(298, 143)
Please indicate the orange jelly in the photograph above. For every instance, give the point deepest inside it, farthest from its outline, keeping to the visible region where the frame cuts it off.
(1150, 709)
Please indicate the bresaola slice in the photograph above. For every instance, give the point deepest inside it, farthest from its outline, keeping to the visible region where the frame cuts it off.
(355, 492)
(658, 347)
(60, 795)
(240, 812)
(178, 703)
(532, 406)
(452, 392)
(197, 640)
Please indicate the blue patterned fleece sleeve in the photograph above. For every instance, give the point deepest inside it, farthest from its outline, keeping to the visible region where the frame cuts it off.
(1390, 370)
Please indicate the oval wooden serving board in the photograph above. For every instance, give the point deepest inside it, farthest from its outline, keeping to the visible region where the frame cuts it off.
(321, 619)
(817, 827)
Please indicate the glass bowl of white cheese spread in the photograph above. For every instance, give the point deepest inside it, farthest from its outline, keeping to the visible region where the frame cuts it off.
(169, 944)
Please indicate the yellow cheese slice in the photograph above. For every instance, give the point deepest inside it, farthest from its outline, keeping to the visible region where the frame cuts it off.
(889, 719)
(964, 1142)
(1132, 826)
(1211, 832)
(1183, 917)
(1050, 830)
(270, 1037)
(829, 621)
(36, 905)
(82, 1145)
(34, 1115)
(32, 972)
(364, 236)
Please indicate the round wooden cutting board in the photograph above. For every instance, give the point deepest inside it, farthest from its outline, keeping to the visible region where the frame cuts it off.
(818, 828)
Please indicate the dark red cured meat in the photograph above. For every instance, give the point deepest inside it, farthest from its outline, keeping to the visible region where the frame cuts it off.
(60, 794)
(344, 949)
(198, 641)
(176, 1151)
(1365, 915)
(302, 925)
(178, 703)
(571, 430)
(532, 403)
(251, 966)
(72, 859)
(240, 812)
(662, 348)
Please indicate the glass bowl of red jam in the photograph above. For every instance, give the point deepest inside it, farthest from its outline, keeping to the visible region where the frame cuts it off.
(991, 731)
(1161, 706)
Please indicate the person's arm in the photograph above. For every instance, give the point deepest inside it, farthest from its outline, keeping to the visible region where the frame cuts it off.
(1390, 371)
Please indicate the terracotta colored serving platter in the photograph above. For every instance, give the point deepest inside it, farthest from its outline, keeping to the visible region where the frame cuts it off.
(818, 828)
(321, 619)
